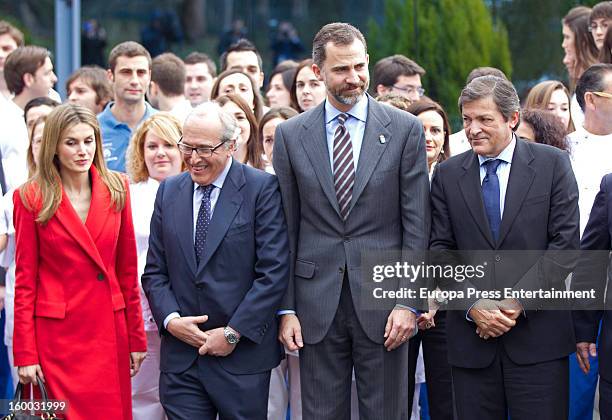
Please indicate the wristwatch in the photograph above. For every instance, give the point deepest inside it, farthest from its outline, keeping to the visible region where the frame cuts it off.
(230, 336)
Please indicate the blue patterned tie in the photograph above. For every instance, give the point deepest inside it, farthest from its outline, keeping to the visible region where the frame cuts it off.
(203, 221)
(490, 195)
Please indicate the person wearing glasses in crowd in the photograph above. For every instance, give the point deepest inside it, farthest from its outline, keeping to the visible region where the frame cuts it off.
(599, 22)
(152, 156)
(76, 291)
(400, 75)
(216, 273)
(307, 91)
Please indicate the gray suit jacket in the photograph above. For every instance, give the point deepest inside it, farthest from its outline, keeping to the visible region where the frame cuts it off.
(389, 211)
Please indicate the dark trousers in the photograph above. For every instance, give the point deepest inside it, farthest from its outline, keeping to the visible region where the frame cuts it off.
(206, 389)
(605, 399)
(525, 392)
(437, 369)
(325, 372)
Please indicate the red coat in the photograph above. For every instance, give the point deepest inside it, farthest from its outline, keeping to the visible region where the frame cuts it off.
(77, 305)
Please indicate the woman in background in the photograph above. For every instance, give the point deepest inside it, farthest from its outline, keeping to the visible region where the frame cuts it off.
(234, 81)
(248, 149)
(306, 90)
(542, 127)
(152, 156)
(552, 96)
(78, 319)
(279, 87)
(267, 128)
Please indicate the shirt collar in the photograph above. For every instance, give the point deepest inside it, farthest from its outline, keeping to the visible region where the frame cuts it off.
(107, 115)
(221, 178)
(505, 155)
(358, 111)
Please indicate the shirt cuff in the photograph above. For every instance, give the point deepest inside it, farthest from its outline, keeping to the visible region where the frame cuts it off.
(285, 312)
(170, 317)
(414, 311)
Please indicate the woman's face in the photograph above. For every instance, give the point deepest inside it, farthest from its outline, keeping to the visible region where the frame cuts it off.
(37, 141)
(162, 158)
(433, 125)
(569, 48)
(243, 123)
(278, 94)
(525, 131)
(559, 106)
(239, 84)
(268, 136)
(309, 91)
(76, 149)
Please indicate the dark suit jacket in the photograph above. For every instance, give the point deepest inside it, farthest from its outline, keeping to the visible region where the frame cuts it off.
(592, 273)
(241, 278)
(540, 213)
(389, 210)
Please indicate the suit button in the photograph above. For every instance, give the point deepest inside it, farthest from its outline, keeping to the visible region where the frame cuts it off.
(497, 258)
(341, 270)
(100, 276)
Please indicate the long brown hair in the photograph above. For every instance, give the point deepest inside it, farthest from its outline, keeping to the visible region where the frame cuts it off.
(254, 149)
(258, 103)
(577, 20)
(43, 192)
(424, 105)
(539, 97)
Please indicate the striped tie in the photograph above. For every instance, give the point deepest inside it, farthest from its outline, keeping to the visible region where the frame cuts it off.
(344, 169)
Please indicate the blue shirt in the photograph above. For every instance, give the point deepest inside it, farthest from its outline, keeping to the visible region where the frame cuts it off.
(503, 171)
(355, 125)
(116, 136)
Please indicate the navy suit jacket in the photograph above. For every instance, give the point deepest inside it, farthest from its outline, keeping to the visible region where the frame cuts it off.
(591, 273)
(241, 278)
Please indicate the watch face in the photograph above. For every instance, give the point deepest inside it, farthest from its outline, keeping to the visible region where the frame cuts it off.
(230, 336)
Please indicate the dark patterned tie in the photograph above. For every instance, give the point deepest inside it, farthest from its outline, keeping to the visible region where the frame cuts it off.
(203, 221)
(344, 168)
(490, 196)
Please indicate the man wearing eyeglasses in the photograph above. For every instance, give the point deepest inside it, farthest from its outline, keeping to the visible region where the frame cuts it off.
(398, 74)
(599, 21)
(216, 272)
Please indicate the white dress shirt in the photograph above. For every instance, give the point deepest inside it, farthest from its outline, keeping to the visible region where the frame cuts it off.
(198, 195)
(458, 143)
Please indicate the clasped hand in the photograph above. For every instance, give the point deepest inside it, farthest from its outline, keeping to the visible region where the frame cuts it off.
(211, 342)
(494, 318)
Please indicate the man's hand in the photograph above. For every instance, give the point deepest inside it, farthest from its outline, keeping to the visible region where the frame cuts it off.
(583, 351)
(216, 344)
(401, 326)
(290, 332)
(489, 319)
(426, 321)
(136, 359)
(27, 374)
(185, 328)
(511, 308)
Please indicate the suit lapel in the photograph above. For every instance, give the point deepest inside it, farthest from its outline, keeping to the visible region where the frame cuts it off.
(183, 219)
(100, 208)
(315, 145)
(371, 147)
(67, 216)
(520, 180)
(228, 203)
(470, 187)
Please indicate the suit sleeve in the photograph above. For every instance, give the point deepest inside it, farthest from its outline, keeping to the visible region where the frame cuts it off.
(414, 206)
(26, 281)
(127, 275)
(259, 306)
(592, 269)
(155, 279)
(291, 205)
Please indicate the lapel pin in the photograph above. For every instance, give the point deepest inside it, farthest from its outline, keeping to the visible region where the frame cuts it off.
(382, 139)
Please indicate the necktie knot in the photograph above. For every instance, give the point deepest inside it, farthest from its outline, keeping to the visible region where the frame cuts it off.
(492, 165)
(342, 118)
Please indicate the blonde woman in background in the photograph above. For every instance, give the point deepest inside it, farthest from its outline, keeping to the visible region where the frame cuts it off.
(552, 96)
(153, 156)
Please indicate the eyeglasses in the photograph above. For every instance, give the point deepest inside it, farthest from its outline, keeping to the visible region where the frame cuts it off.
(203, 152)
(411, 89)
(604, 26)
(603, 94)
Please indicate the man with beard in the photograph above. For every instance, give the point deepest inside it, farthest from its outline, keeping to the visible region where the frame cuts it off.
(130, 75)
(353, 177)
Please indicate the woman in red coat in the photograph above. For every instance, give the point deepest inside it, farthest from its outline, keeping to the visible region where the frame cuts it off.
(78, 319)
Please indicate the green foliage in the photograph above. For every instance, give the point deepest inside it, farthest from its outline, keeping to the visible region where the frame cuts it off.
(451, 38)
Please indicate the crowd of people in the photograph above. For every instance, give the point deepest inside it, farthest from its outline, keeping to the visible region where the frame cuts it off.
(181, 242)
